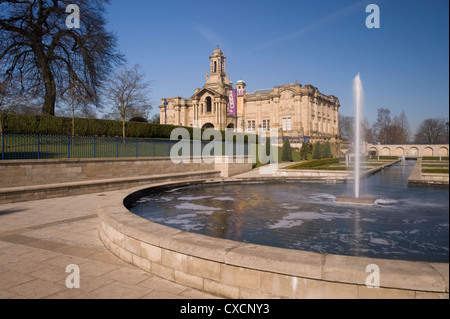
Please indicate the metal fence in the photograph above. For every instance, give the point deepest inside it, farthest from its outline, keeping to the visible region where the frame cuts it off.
(40, 146)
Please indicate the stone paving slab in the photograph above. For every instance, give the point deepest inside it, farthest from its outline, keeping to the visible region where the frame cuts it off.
(39, 239)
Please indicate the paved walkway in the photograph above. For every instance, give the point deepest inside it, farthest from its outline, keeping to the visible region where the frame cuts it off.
(264, 171)
(39, 239)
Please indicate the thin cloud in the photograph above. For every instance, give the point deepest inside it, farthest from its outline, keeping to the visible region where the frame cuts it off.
(333, 17)
(209, 35)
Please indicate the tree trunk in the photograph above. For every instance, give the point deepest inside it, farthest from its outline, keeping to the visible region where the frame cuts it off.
(50, 93)
(73, 111)
(123, 129)
(49, 82)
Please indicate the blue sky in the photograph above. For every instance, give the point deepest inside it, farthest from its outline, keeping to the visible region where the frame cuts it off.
(404, 65)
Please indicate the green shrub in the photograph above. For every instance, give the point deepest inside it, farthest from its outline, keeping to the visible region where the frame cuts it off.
(286, 152)
(326, 153)
(317, 151)
(305, 151)
(314, 163)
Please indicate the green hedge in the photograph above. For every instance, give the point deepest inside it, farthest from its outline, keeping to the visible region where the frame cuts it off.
(384, 157)
(434, 158)
(314, 163)
(42, 124)
(435, 170)
(45, 124)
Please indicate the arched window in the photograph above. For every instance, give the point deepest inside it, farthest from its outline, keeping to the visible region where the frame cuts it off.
(215, 66)
(208, 104)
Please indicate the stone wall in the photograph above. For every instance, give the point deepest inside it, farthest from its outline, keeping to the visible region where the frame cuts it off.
(24, 180)
(14, 173)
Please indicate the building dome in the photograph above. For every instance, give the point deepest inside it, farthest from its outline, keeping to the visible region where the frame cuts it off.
(217, 51)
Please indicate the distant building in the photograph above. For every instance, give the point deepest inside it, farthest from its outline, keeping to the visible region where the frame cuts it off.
(296, 111)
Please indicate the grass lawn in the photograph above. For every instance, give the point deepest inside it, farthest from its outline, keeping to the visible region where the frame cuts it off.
(334, 165)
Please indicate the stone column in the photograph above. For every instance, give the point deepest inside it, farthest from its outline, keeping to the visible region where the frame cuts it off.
(177, 115)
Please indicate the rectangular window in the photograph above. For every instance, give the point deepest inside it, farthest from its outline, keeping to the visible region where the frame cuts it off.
(251, 126)
(266, 126)
(287, 124)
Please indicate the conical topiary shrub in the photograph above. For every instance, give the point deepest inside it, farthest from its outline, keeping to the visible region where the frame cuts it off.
(286, 152)
(317, 151)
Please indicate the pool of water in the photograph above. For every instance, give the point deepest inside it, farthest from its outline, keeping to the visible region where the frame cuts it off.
(406, 223)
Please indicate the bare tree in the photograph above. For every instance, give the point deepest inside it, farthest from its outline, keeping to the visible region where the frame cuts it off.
(4, 103)
(128, 94)
(10, 100)
(74, 95)
(399, 130)
(346, 127)
(432, 131)
(381, 126)
(41, 52)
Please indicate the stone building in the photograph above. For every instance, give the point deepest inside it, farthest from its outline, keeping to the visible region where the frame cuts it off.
(296, 111)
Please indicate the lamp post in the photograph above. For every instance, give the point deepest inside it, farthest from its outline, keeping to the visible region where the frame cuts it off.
(447, 131)
(165, 111)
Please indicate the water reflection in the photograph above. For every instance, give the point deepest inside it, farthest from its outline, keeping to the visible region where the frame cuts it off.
(407, 223)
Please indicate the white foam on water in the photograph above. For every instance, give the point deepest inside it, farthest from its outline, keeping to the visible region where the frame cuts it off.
(173, 190)
(206, 212)
(370, 220)
(380, 241)
(193, 197)
(196, 207)
(385, 202)
(298, 218)
(286, 224)
(224, 198)
(394, 232)
(177, 221)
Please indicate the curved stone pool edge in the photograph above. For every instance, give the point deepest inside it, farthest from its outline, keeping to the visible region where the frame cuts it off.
(240, 270)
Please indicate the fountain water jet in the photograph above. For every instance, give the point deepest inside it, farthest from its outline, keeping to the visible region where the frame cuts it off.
(358, 96)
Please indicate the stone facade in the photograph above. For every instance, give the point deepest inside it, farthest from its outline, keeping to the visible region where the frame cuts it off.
(408, 150)
(293, 109)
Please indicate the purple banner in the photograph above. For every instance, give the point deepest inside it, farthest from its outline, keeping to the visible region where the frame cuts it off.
(232, 98)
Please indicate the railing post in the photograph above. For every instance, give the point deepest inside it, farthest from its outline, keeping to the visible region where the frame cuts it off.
(68, 146)
(153, 145)
(3, 146)
(94, 147)
(117, 147)
(39, 146)
(136, 147)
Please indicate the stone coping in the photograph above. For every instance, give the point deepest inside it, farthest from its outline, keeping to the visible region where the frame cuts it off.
(241, 270)
(82, 160)
(417, 178)
(36, 192)
(342, 176)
